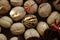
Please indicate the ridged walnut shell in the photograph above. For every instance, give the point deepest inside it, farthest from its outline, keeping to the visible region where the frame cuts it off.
(4, 6)
(56, 4)
(30, 21)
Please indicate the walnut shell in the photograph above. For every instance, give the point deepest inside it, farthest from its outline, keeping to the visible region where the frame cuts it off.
(53, 17)
(4, 6)
(17, 28)
(58, 19)
(42, 27)
(5, 21)
(44, 9)
(56, 4)
(17, 13)
(30, 7)
(14, 38)
(31, 33)
(30, 21)
(3, 37)
(16, 2)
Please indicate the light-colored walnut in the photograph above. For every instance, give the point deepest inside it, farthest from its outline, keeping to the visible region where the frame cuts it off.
(53, 17)
(42, 27)
(3, 37)
(44, 9)
(4, 6)
(16, 2)
(14, 38)
(31, 33)
(17, 13)
(17, 28)
(30, 7)
(5, 21)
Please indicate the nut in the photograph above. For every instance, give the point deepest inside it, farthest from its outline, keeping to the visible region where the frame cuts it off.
(5, 21)
(56, 4)
(14, 38)
(16, 2)
(17, 28)
(31, 33)
(4, 6)
(3, 37)
(53, 17)
(42, 27)
(58, 19)
(30, 7)
(44, 9)
(30, 21)
(17, 13)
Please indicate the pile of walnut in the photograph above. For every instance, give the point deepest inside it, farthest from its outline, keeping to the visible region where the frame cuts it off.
(19, 16)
